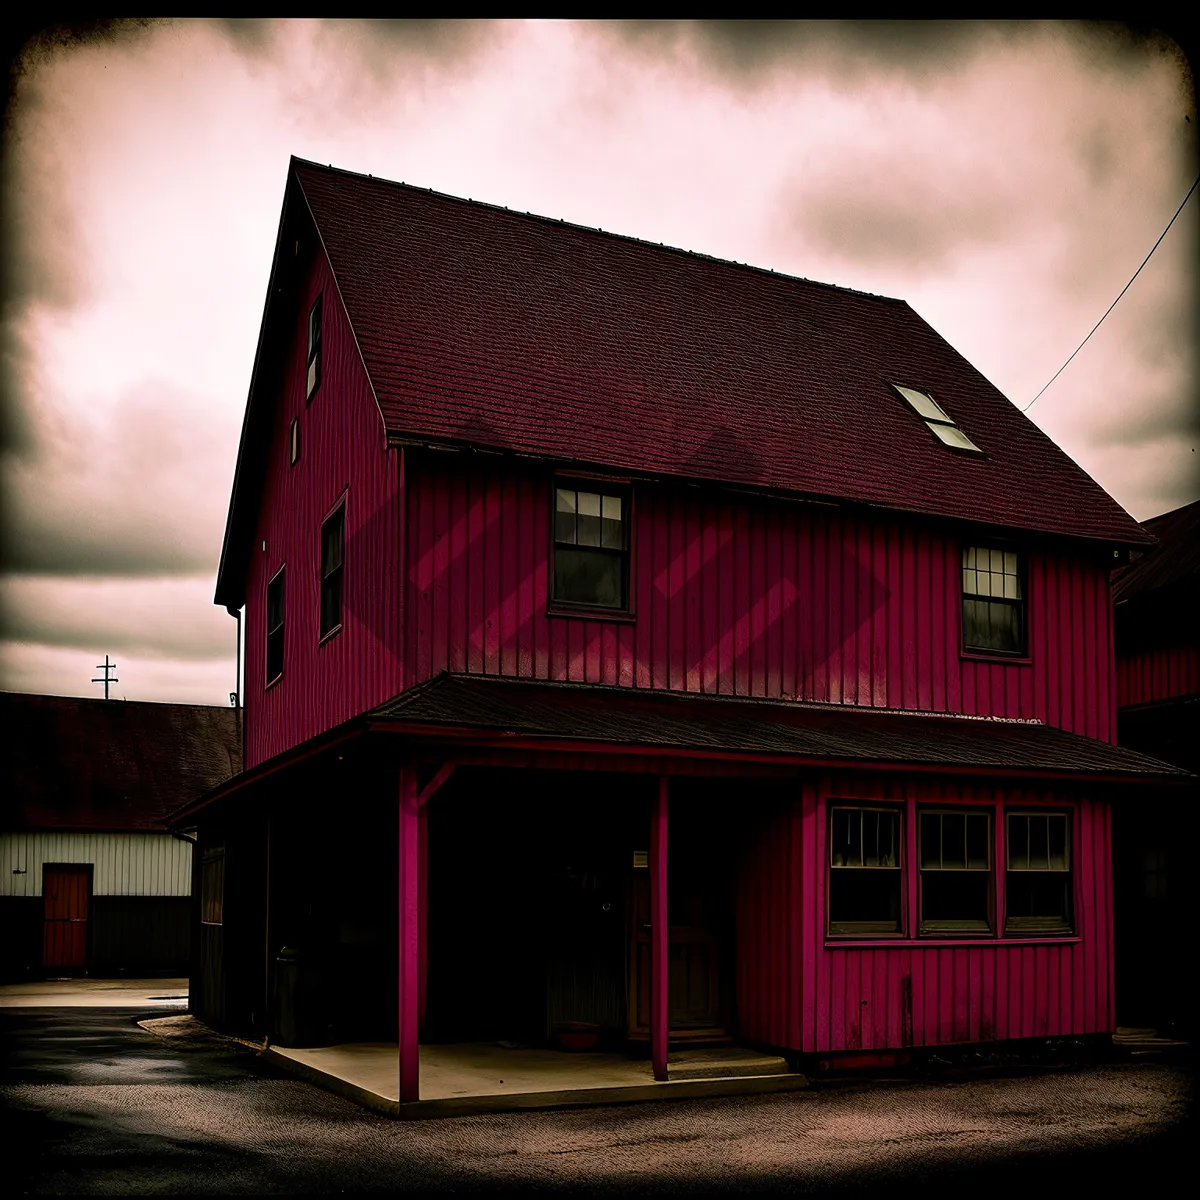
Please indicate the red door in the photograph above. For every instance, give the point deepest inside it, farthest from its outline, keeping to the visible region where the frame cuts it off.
(66, 893)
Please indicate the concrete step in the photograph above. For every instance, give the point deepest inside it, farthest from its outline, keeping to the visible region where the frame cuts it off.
(723, 1062)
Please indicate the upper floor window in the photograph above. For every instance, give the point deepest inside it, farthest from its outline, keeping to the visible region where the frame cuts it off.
(294, 441)
(1037, 883)
(993, 601)
(938, 421)
(333, 534)
(864, 870)
(591, 546)
(314, 349)
(275, 595)
(956, 870)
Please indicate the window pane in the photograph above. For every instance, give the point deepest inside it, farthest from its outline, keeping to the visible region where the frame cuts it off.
(1018, 842)
(970, 580)
(978, 842)
(1038, 901)
(1039, 850)
(969, 557)
(952, 436)
(564, 501)
(610, 508)
(588, 520)
(612, 531)
(589, 577)
(955, 900)
(864, 901)
(846, 838)
(331, 602)
(314, 327)
(991, 625)
(314, 374)
(879, 839)
(331, 542)
(927, 406)
(1057, 836)
(954, 841)
(931, 839)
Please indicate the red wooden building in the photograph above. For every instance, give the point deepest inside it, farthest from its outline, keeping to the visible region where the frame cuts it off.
(696, 652)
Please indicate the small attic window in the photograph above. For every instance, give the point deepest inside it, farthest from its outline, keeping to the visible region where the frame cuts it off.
(936, 417)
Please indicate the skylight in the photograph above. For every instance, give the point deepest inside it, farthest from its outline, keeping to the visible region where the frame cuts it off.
(939, 422)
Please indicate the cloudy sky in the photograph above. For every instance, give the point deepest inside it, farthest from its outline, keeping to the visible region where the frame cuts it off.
(1006, 180)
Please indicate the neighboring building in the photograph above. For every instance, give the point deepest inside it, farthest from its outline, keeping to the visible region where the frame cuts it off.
(694, 650)
(1157, 599)
(90, 878)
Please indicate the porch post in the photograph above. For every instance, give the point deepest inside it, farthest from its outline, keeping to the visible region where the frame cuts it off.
(659, 1006)
(409, 937)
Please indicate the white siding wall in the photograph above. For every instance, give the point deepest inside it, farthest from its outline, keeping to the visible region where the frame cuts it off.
(126, 864)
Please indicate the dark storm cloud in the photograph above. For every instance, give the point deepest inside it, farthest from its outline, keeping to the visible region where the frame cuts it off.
(129, 492)
(895, 211)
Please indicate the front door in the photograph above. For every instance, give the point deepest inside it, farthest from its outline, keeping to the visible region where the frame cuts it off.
(697, 981)
(66, 897)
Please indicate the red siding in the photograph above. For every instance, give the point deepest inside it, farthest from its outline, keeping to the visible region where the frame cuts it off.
(343, 451)
(799, 990)
(746, 598)
(1161, 673)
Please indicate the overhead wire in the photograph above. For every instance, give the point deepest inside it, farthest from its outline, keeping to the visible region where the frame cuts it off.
(1122, 292)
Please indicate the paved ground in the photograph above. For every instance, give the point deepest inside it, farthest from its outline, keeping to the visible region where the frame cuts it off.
(96, 993)
(96, 1105)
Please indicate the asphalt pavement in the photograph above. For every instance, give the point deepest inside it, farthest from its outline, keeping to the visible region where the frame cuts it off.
(96, 1105)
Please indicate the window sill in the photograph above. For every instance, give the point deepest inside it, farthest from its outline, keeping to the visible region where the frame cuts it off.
(590, 612)
(850, 942)
(996, 656)
(325, 637)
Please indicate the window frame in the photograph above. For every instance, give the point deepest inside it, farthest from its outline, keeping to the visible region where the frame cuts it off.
(612, 488)
(857, 930)
(325, 573)
(279, 630)
(941, 419)
(294, 442)
(313, 357)
(947, 929)
(1021, 603)
(1069, 927)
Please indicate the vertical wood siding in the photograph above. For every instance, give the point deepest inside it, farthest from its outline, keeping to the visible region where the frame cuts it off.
(798, 990)
(1159, 673)
(743, 598)
(343, 450)
(126, 864)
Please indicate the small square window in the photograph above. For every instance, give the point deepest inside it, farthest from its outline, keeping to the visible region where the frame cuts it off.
(314, 350)
(332, 554)
(591, 546)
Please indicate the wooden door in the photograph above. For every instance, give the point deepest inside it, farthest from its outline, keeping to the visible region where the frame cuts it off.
(66, 898)
(697, 987)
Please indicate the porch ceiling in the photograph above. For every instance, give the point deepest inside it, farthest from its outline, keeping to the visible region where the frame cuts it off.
(537, 712)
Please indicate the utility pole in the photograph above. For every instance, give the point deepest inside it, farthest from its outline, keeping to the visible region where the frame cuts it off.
(106, 666)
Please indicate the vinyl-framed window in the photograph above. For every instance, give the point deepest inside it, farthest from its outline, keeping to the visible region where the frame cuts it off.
(274, 625)
(313, 375)
(333, 547)
(865, 892)
(591, 546)
(954, 848)
(993, 601)
(1038, 882)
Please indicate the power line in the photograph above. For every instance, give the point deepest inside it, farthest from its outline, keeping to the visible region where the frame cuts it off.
(1114, 303)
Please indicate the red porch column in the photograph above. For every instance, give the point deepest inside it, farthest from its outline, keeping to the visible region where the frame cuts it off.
(408, 950)
(659, 1006)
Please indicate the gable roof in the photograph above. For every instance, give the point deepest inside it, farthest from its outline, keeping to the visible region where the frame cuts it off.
(1174, 561)
(485, 327)
(110, 765)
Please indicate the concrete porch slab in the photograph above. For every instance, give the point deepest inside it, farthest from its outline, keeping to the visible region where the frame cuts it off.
(461, 1079)
(86, 992)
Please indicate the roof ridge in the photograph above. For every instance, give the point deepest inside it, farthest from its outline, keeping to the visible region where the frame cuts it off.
(562, 222)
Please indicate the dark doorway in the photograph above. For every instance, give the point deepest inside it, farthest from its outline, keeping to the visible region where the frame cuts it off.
(66, 899)
(528, 883)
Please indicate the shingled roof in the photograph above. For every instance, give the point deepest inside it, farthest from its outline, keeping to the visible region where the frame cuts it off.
(491, 328)
(1173, 563)
(109, 765)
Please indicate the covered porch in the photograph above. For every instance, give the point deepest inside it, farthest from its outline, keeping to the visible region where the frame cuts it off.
(505, 893)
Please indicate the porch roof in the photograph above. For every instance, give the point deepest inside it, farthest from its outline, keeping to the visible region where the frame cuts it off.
(523, 711)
